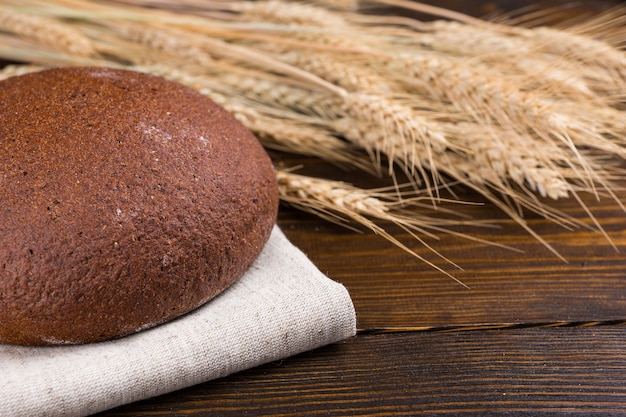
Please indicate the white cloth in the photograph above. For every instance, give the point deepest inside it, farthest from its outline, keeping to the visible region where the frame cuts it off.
(283, 305)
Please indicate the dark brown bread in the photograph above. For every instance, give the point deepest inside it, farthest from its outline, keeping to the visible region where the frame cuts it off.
(126, 201)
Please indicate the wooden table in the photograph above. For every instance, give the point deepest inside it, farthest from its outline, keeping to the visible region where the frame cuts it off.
(532, 334)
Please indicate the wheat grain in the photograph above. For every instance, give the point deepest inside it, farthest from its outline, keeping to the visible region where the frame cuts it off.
(173, 42)
(511, 156)
(593, 52)
(555, 74)
(491, 99)
(290, 13)
(341, 5)
(46, 32)
(278, 94)
(354, 78)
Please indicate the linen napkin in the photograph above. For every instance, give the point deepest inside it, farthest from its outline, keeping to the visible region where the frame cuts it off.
(283, 305)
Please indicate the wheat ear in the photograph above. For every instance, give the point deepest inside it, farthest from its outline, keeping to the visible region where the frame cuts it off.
(487, 99)
(501, 156)
(485, 174)
(289, 13)
(339, 5)
(274, 93)
(401, 127)
(558, 75)
(15, 70)
(173, 42)
(290, 135)
(397, 124)
(46, 31)
(593, 52)
(353, 78)
(339, 202)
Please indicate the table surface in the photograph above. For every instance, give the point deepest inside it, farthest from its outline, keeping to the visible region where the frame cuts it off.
(532, 334)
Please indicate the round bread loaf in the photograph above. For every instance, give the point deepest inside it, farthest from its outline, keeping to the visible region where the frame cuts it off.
(126, 201)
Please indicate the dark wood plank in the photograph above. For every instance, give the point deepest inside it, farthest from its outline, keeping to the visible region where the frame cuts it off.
(391, 288)
(580, 370)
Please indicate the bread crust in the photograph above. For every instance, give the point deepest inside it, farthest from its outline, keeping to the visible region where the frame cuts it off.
(127, 201)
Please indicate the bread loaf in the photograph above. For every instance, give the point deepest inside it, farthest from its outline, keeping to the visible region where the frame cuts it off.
(126, 201)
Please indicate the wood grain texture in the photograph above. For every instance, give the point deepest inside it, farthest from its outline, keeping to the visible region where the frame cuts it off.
(576, 370)
(393, 289)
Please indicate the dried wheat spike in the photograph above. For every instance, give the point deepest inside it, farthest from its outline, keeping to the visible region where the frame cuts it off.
(294, 136)
(501, 156)
(418, 161)
(47, 32)
(470, 40)
(353, 78)
(289, 136)
(484, 179)
(340, 203)
(557, 75)
(590, 51)
(341, 5)
(493, 98)
(585, 47)
(289, 13)
(15, 70)
(274, 93)
(396, 122)
(173, 42)
(478, 160)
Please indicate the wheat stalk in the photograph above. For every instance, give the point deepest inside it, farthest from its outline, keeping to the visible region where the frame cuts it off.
(339, 202)
(400, 124)
(46, 32)
(487, 98)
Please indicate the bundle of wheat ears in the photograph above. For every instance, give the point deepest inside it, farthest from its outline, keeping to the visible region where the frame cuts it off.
(522, 113)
